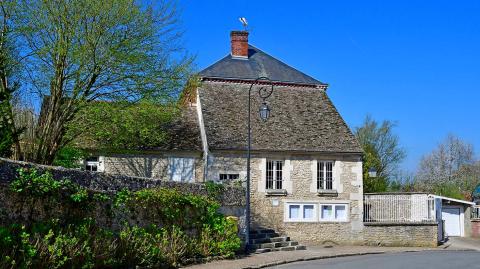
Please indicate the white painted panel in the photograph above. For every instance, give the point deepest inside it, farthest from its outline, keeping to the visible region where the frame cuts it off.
(188, 169)
(181, 169)
(451, 216)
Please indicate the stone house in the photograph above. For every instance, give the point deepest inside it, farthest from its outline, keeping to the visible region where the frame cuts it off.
(306, 163)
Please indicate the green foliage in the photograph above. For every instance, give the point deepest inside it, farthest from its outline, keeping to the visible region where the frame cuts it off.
(85, 51)
(31, 183)
(6, 141)
(372, 160)
(382, 152)
(79, 245)
(81, 195)
(214, 190)
(69, 157)
(185, 210)
(112, 125)
(182, 227)
(219, 238)
(101, 197)
(448, 189)
(122, 197)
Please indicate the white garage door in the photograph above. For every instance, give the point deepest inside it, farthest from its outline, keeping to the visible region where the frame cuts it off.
(451, 216)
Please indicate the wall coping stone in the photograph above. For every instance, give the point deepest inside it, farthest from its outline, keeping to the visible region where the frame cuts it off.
(430, 223)
(394, 193)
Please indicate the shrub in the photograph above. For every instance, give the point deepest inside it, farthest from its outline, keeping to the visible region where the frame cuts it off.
(181, 227)
(69, 157)
(170, 207)
(30, 183)
(219, 238)
(174, 244)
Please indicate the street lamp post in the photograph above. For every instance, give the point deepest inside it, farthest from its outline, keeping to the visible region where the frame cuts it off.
(264, 111)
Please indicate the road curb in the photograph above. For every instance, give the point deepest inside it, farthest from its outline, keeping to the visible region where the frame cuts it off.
(321, 257)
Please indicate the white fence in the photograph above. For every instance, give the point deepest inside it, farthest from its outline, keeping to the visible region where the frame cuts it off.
(476, 212)
(398, 208)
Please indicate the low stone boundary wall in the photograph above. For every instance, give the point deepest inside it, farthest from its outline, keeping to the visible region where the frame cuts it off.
(401, 234)
(230, 196)
(231, 199)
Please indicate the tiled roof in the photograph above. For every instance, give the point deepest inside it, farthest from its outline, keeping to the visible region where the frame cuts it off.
(301, 119)
(183, 133)
(258, 64)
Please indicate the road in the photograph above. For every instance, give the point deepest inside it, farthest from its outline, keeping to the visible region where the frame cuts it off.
(409, 260)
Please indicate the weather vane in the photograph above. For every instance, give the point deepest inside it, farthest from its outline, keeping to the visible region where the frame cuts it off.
(244, 22)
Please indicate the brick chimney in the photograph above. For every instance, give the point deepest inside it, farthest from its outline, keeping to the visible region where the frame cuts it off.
(239, 41)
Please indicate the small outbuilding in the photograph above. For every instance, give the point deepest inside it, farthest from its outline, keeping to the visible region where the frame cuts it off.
(453, 216)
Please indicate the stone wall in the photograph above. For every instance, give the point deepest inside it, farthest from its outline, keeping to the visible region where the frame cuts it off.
(147, 165)
(231, 196)
(267, 210)
(299, 182)
(392, 235)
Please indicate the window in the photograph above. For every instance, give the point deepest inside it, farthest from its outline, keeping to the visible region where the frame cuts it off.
(92, 164)
(274, 175)
(333, 212)
(324, 175)
(181, 169)
(229, 177)
(301, 212)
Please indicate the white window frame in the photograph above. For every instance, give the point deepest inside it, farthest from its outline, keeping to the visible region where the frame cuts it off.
(334, 205)
(98, 164)
(301, 212)
(325, 175)
(275, 172)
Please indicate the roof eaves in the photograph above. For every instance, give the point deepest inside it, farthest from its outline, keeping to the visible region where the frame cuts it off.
(452, 199)
(323, 86)
(290, 151)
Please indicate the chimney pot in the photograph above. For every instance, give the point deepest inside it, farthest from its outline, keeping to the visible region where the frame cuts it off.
(239, 42)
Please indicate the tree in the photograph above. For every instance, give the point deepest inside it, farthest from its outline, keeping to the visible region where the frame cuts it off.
(450, 169)
(382, 152)
(372, 160)
(444, 161)
(87, 50)
(121, 125)
(9, 134)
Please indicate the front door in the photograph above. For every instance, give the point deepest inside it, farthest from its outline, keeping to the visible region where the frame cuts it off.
(451, 216)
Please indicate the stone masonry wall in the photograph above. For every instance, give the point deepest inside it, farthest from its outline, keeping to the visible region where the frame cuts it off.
(299, 174)
(268, 211)
(233, 197)
(410, 235)
(149, 166)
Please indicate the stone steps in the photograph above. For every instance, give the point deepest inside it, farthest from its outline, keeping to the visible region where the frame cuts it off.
(267, 240)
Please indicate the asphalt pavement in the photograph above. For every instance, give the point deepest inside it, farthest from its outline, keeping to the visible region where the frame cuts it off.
(411, 260)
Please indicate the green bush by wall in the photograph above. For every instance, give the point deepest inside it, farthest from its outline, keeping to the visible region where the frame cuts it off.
(160, 228)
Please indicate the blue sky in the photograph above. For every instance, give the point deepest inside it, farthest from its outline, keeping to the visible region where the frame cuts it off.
(413, 62)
